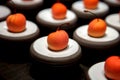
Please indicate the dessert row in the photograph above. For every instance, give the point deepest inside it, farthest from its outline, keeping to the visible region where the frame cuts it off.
(57, 47)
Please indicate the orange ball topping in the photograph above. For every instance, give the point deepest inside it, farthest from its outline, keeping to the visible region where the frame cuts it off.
(90, 4)
(59, 11)
(16, 22)
(58, 40)
(97, 28)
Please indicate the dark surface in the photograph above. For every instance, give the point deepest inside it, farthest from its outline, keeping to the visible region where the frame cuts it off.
(16, 62)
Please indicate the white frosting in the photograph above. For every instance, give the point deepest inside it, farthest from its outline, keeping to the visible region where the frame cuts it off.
(81, 35)
(113, 20)
(4, 12)
(40, 50)
(45, 17)
(101, 10)
(96, 72)
(26, 4)
(31, 31)
(113, 2)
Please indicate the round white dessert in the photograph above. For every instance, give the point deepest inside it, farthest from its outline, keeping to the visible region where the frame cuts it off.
(96, 72)
(100, 11)
(113, 2)
(45, 18)
(4, 12)
(110, 38)
(40, 51)
(25, 4)
(30, 32)
(113, 20)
